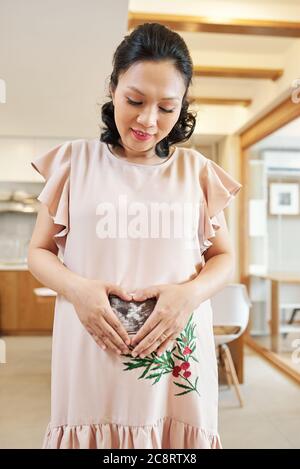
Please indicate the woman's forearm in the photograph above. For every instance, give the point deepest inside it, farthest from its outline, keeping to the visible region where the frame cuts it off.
(46, 267)
(215, 274)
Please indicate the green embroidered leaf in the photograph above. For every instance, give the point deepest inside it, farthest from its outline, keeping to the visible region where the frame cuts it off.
(180, 341)
(154, 375)
(190, 319)
(182, 385)
(190, 323)
(194, 358)
(184, 392)
(183, 357)
(176, 356)
(157, 379)
(131, 366)
(146, 371)
(188, 333)
(156, 361)
(192, 335)
(170, 359)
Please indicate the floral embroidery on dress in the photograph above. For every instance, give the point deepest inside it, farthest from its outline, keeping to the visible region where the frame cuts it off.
(177, 361)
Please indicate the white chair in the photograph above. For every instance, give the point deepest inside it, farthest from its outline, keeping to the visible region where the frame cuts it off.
(230, 308)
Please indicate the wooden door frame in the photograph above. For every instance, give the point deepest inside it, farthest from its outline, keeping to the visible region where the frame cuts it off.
(283, 113)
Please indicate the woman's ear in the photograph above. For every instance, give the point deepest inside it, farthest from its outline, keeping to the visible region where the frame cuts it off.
(112, 95)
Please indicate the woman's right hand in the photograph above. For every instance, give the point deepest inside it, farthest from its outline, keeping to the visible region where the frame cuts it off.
(91, 302)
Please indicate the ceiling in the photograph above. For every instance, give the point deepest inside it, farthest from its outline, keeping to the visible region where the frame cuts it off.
(56, 59)
(242, 51)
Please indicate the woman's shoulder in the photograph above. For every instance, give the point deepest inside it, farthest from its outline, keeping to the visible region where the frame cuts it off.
(85, 150)
(193, 157)
(208, 171)
(85, 143)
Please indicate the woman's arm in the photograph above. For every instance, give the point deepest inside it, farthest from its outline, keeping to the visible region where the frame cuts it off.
(88, 296)
(43, 262)
(219, 265)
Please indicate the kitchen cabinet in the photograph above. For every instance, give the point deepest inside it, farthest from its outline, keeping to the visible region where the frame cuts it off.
(21, 312)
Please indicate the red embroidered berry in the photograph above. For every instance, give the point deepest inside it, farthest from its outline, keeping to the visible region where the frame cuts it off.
(185, 365)
(176, 371)
(186, 374)
(186, 350)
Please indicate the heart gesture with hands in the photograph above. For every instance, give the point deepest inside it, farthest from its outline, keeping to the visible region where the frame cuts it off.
(175, 303)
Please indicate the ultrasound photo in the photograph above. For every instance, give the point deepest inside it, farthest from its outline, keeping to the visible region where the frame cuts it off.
(132, 314)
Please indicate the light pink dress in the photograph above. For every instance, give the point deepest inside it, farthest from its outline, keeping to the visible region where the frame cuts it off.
(100, 399)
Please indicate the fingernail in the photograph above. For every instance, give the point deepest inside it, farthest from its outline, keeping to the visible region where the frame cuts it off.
(127, 341)
(142, 355)
(134, 354)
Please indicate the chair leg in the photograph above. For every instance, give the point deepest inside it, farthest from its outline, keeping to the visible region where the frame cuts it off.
(225, 366)
(232, 373)
(291, 320)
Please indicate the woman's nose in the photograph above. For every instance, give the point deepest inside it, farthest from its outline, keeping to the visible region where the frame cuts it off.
(147, 118)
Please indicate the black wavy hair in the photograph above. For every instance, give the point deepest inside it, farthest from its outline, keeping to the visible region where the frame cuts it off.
(151, 42)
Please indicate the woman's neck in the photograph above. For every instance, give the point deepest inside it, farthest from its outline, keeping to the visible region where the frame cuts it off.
(148, 157)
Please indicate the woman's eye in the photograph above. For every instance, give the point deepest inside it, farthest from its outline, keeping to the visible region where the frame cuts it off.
(166, 110)
(135, 103)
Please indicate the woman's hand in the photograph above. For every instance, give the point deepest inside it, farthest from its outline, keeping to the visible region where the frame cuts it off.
(91, 302)
(175, 304)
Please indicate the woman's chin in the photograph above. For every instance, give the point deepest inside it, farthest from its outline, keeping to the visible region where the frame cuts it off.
(133, 144)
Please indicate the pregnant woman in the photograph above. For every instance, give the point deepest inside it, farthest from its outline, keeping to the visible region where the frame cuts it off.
(132, 217)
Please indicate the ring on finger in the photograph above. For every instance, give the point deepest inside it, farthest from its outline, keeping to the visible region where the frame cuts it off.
(162, 338)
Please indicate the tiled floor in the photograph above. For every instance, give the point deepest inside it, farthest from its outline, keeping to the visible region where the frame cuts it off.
(270, 418)
(271, 415)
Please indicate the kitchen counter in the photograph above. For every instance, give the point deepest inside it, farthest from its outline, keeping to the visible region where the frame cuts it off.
(4, 266)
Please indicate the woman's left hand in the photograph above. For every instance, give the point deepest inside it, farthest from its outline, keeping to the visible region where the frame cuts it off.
(175, 304)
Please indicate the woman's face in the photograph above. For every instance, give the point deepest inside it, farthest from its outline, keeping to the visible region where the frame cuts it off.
(148, 98)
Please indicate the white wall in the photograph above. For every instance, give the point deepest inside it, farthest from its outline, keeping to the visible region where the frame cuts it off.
(55, 56)
(17, 153)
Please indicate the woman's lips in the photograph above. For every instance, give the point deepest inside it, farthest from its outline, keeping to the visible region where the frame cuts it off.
(141, 137)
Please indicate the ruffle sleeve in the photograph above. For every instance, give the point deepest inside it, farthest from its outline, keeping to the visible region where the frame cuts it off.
(218, 188)
(55, 166)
